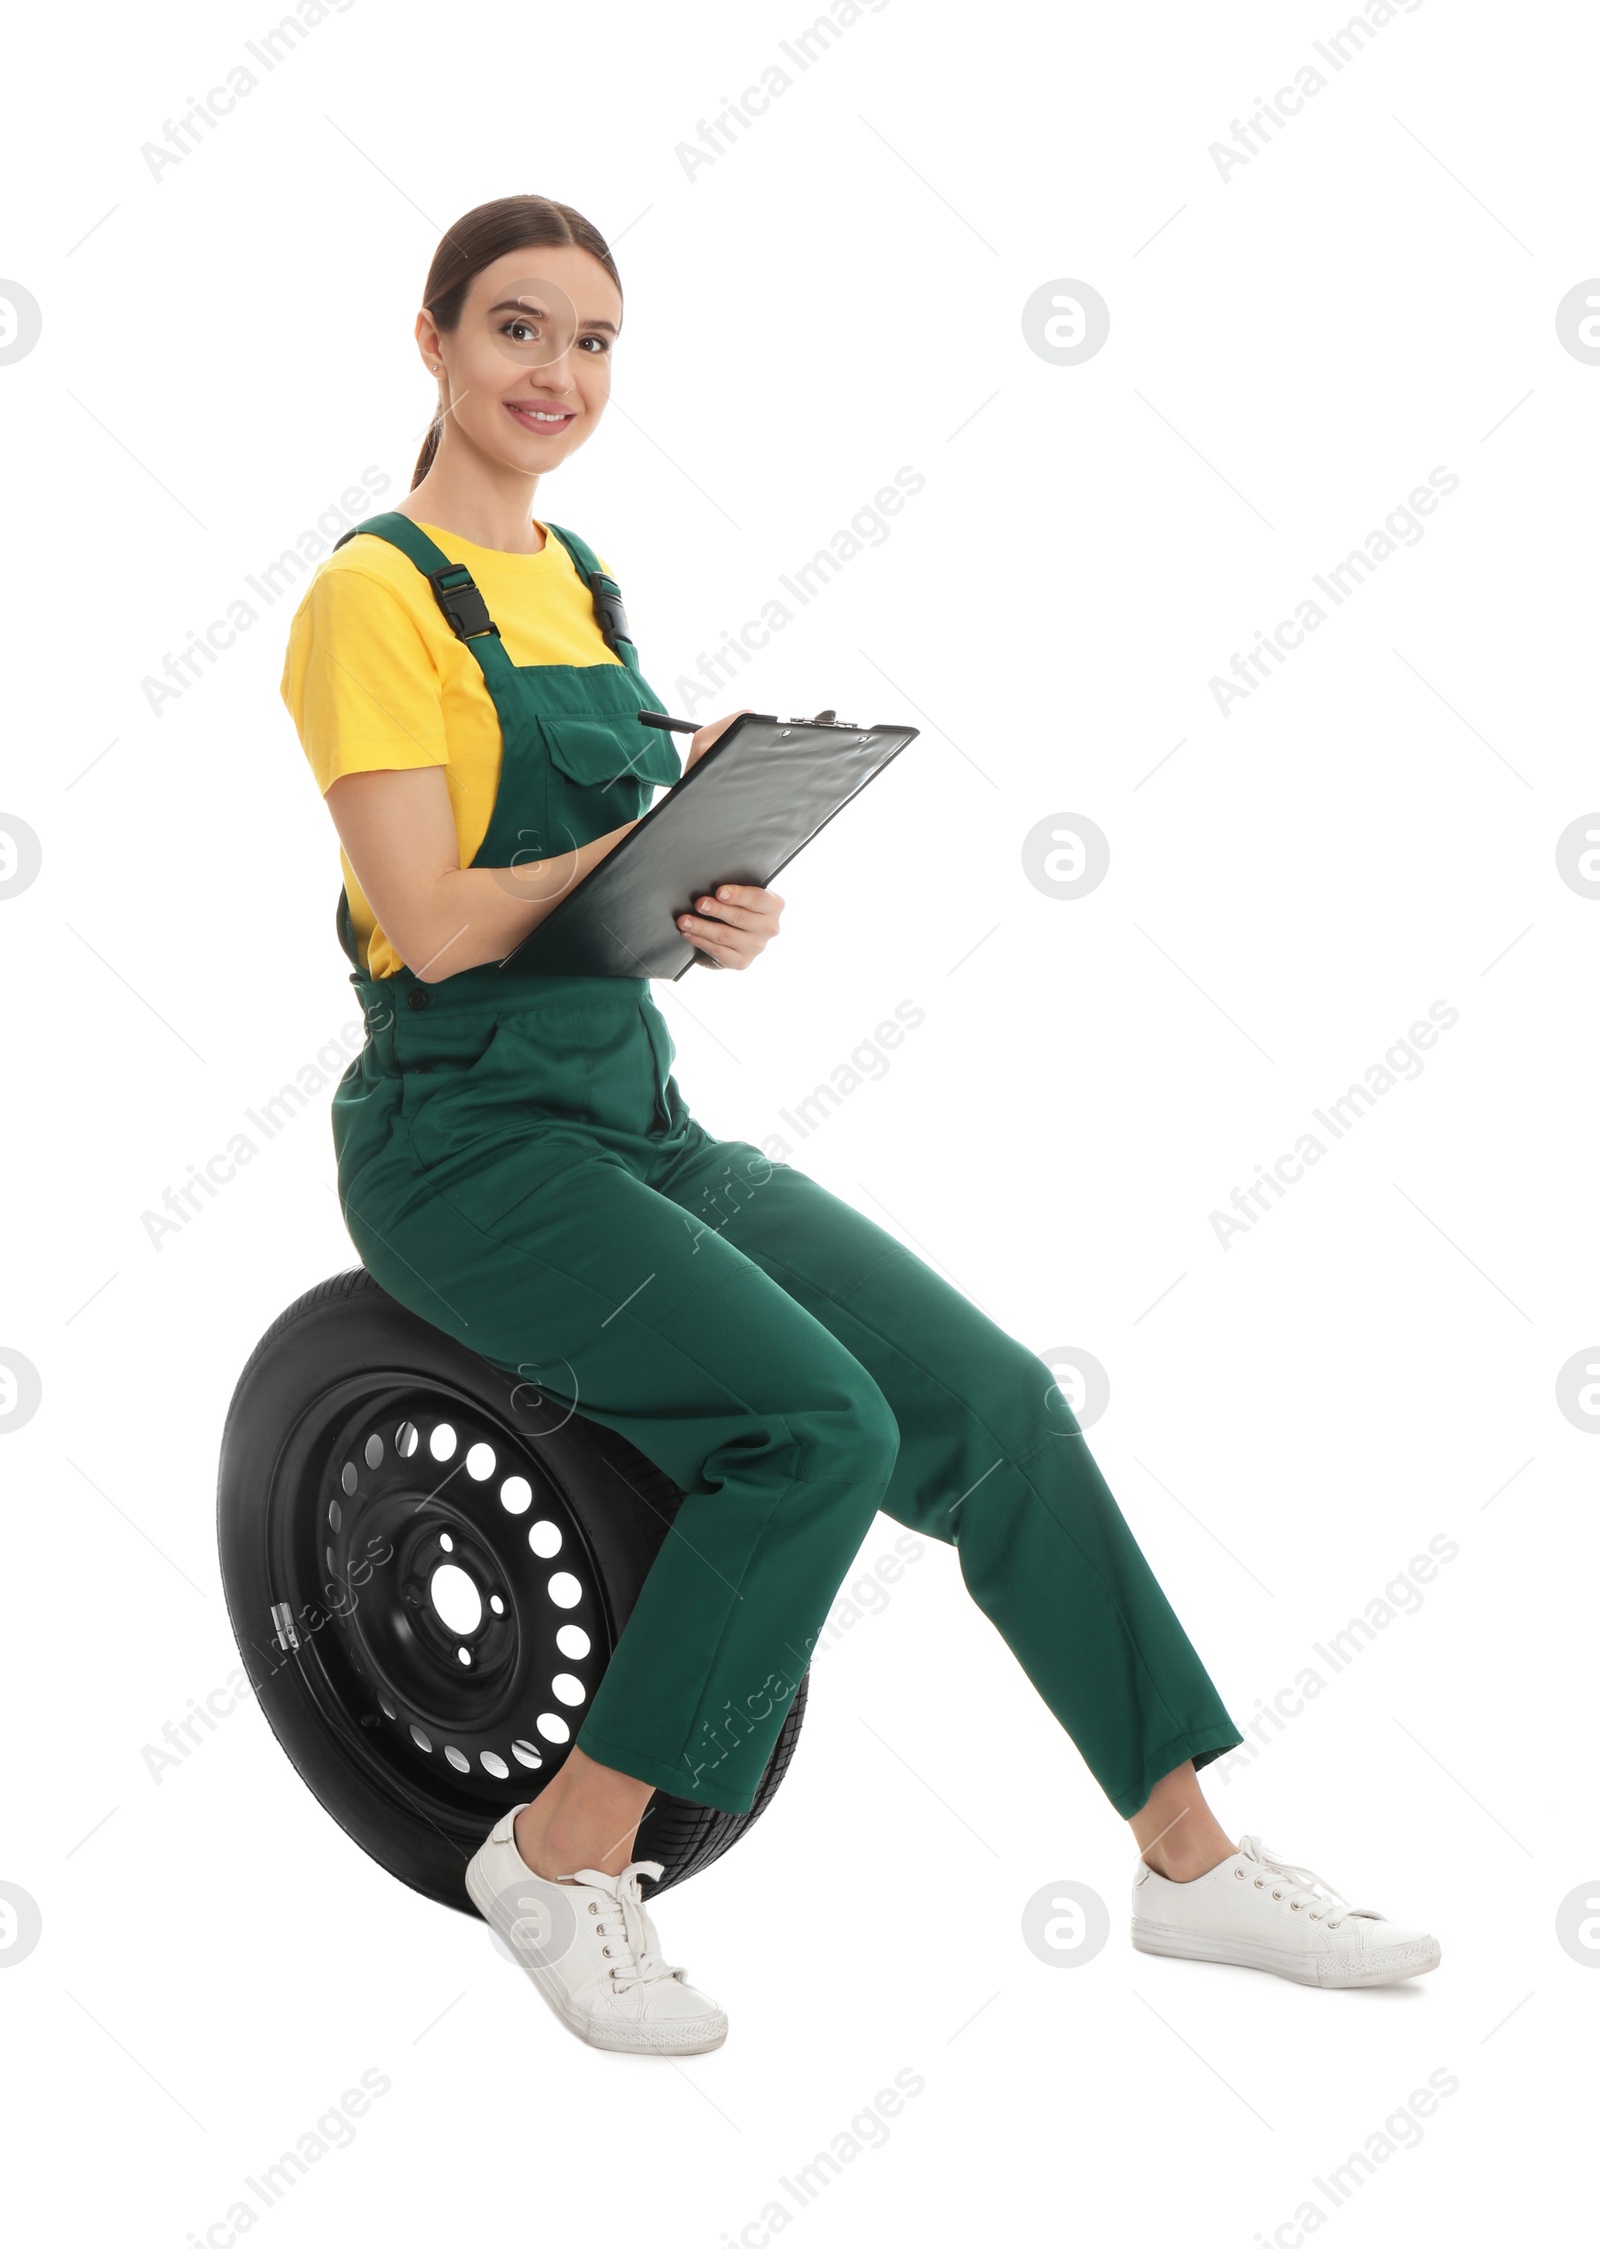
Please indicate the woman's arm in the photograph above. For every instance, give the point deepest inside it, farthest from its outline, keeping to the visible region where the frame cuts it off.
(399, 834)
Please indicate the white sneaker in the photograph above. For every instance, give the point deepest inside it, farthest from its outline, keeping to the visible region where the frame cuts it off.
(1255, 1910)
(590, 1946)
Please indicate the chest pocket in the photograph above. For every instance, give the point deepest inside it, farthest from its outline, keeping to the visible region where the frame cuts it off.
(603, 769)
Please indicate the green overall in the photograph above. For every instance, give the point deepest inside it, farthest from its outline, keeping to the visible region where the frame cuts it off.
(518, 1167)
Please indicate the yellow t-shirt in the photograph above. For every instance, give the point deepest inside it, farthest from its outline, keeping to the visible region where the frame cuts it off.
(375, 679)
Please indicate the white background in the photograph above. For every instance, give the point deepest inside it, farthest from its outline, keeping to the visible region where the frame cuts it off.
(1291, 1418)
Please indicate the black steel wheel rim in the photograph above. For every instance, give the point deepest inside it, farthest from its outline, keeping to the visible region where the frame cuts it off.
(438, 1593)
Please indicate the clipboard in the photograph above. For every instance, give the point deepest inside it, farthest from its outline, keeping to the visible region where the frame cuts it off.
(740, 814)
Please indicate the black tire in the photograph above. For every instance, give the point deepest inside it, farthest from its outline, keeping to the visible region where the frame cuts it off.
(332, 1528)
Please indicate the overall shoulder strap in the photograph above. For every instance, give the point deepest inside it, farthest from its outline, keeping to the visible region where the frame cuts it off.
(400, 532)
(454, 587)
(606, 594)
(584, 558)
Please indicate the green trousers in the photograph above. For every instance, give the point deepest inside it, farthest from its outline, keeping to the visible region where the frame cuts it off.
(518, 1166)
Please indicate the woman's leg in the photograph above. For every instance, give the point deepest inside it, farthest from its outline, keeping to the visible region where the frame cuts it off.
(549, 1258)
(992, 1461)
(588, 1815)
(1176, 1830)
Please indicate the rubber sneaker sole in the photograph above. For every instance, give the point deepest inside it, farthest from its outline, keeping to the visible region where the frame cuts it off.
(1330, 1971)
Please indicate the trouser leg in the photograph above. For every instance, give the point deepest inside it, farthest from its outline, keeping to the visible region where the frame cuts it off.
(550, 1258)
(992, 1461)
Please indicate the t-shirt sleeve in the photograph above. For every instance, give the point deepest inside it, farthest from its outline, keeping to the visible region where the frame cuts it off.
(360, 682)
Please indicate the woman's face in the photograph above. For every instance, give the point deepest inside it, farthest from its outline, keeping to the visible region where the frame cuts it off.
(534, 341)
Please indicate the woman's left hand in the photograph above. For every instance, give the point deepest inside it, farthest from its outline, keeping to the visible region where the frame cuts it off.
(734, 923)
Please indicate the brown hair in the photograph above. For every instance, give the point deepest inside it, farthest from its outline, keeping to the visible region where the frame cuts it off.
(514, 222)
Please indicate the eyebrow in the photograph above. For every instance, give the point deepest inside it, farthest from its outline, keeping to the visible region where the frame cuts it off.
(516, 304)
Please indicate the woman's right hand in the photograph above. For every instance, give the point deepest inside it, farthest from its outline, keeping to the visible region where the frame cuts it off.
(701, 740)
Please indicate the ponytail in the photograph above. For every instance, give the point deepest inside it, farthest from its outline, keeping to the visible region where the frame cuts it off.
(430, 446)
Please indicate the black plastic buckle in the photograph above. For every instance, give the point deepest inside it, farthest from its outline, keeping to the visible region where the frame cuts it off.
(608, 609)
(465, 610)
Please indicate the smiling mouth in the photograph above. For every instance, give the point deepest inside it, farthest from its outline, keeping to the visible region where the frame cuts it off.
(536, 418)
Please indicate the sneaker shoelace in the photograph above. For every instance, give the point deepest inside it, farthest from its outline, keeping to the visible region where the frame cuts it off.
(644, 1963)
(1301, 1886)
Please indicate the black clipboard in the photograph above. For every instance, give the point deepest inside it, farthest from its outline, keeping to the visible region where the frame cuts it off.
(740, 814)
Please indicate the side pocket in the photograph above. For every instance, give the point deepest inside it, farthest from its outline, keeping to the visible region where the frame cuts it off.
(670, 1107)
(443, 1070)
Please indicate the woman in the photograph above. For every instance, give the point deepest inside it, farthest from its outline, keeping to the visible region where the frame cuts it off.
(518, 1166)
